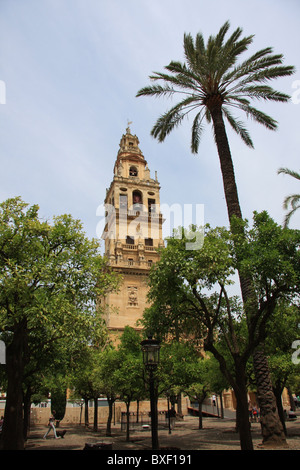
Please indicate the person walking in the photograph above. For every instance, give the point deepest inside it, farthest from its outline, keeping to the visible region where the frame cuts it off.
(51, 426)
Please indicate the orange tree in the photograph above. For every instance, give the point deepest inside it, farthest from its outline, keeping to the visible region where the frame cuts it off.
(50, 276)
(189, 291)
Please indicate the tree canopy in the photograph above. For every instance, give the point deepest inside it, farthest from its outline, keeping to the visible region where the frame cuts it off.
(189, 291)
(51, 276)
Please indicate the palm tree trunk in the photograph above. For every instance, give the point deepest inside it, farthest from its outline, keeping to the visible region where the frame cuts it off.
(270, 422)
(229, 183)
(271, 426)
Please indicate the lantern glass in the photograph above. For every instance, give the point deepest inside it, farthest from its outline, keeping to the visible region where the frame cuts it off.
(150, 348)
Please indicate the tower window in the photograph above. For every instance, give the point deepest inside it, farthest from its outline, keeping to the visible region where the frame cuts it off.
(151, 206)
(137, 197)
(133, 171)
(129, 240)
(137, 200)
(148, 241)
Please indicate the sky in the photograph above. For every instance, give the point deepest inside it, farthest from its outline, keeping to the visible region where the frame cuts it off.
(69, 74)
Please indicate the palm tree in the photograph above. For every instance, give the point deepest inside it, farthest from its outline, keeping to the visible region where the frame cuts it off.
(292, 199)
(211, 85)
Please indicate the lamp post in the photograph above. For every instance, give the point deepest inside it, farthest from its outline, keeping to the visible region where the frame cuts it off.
(150, 348)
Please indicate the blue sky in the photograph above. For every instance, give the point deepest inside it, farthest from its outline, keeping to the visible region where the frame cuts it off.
(72, 69)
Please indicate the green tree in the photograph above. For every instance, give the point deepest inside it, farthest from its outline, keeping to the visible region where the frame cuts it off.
(293, 199)
(128, 376)
(211, 83)
(110, 362)
(81, 383)
(174, 374)
(200, 385)
(59, 396)
(189, 289)
(281, 333)
(51, 276)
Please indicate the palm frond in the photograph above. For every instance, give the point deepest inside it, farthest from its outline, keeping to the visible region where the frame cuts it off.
(165, 124)
(156, 90)
(197, 130)
(172, 118)
(289, 172)
(238, 127)
(264, 92)
(221, 34)
(260, 117)
(210, 75)
(195, 55)
(200, 44)
(292, 200)
(258, 70)
(290, 214)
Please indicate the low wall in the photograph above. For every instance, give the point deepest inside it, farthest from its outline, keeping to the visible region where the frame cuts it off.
(75, 415)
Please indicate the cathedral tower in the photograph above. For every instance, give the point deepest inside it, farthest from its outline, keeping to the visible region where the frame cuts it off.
(132, 233)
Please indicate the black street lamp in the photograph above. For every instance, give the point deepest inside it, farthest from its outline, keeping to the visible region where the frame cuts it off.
(150, 348)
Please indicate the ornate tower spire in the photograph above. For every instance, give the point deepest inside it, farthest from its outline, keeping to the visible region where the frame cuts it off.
(133, 231)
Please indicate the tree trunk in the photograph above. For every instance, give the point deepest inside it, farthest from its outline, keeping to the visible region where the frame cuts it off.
(242, 413)
(278, 396)
(27, 406)
(110, 415)
(238, 383)
(127, 421)
(291, 398)
(200, 426)
(179, 404)
(222, 406)
(12, 434)
(86, 411)
(271, 422)
(271, 426)
(137, 410)
(96, 414)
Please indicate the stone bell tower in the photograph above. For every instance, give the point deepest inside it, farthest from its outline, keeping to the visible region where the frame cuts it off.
(132, 233)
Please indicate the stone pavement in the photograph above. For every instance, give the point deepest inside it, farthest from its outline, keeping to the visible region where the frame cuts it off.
(217, 434)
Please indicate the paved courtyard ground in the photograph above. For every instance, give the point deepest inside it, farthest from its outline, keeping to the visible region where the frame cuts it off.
(217, 434)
